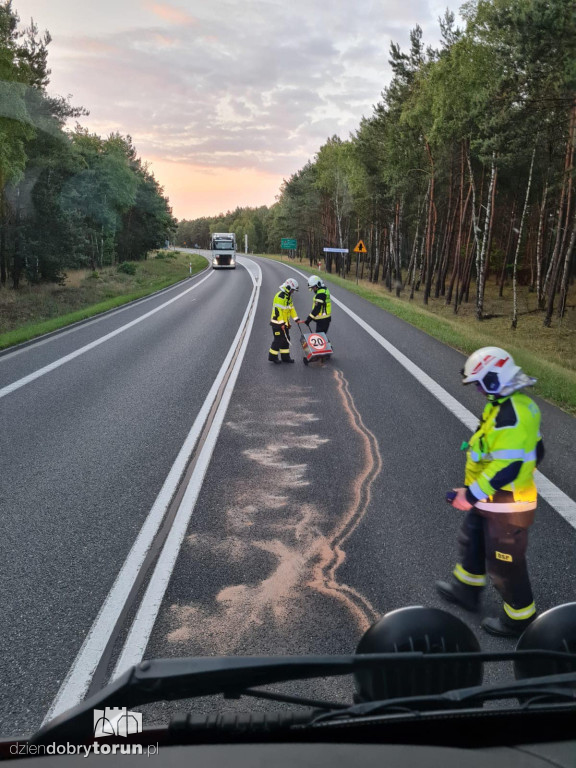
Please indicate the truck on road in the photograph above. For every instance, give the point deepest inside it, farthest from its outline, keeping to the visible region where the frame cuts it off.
(223, 247)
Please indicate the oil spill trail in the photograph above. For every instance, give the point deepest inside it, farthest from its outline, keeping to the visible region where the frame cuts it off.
(275, 531)
(333, 554)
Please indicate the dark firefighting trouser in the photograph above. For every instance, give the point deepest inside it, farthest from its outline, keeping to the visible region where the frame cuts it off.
(496, 547)
(280, 344)
(322, 324)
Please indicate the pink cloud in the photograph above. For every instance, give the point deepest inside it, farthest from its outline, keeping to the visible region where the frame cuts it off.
(171, 13)
(81, 45)
(163, 41)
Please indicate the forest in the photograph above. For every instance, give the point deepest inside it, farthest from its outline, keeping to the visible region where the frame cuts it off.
(462, 175)
(69, 199)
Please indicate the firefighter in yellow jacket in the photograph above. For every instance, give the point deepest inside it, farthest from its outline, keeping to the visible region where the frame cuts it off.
(321, 306)
(500, 494)
(282, 312)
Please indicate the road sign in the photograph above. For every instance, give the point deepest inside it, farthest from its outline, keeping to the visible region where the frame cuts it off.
(288, 244)
(316, 341)
(360, 248)
(335, 250)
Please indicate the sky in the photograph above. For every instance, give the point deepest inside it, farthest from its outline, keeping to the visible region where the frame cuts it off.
(225, 99)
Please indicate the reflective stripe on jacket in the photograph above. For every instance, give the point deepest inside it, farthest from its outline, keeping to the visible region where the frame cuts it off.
(502, 453)
(321, 304)
(283, 308)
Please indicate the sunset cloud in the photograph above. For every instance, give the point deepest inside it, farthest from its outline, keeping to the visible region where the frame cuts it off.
(170, 13)
(250, 91)
(197, 190)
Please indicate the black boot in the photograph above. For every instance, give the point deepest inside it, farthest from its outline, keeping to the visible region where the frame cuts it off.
(504, 626)
(454, 591)
(272, 359)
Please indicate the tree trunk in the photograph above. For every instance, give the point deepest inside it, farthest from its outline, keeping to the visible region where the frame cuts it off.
(483, 257)
(3, 260)
(456, 269)
(376, 254)
(515, 269)
(431, 228)
(552, 276)
(507, 251)
(411, 276)
(412, 262)
(475, 227)
(566, 273)
(471, 241)
(490, 231)
(445, 250)
(399, 248)
(423, 246)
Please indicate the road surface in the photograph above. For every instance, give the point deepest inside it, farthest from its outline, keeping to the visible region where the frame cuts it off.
(168, 492)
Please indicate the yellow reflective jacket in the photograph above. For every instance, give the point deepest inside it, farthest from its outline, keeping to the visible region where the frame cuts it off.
(502, 453)
(283, 308)
(321, 304)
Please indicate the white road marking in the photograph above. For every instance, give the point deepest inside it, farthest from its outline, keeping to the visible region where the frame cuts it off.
(137, 640)
(78, 679)
(556, 498)
(96, 343)
(81, 324)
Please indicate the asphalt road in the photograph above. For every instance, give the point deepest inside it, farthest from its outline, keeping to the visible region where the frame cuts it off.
(322, 507)
(85, 450)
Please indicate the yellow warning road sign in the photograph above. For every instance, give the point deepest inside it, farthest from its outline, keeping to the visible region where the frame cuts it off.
(360, 248)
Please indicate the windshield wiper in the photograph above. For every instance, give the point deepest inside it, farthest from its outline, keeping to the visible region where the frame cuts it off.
(561, 688)
(175, 679)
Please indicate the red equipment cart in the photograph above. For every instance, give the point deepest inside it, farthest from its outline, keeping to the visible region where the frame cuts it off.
(316, 346)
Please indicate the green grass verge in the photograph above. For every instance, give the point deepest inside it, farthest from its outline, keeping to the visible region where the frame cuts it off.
(152, 275)
(556, 383)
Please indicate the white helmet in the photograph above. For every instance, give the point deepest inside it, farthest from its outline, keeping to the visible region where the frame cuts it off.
(289, 285)
(492, 367)
(314, 282)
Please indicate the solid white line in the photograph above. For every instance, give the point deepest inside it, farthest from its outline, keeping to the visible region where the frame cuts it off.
(143, 624)
(67, 358)
(556, 498)
(78, 679)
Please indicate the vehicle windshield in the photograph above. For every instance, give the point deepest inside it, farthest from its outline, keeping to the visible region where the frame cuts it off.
(287, 347)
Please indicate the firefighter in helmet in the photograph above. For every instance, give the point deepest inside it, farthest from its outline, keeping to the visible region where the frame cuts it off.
(321, 306)
(282, 312)
(500, 494)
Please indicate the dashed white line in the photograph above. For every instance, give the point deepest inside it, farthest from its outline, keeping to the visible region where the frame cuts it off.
(9, 354)
(73, 355)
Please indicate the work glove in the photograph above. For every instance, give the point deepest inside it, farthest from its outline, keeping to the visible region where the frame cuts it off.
(309, 319)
